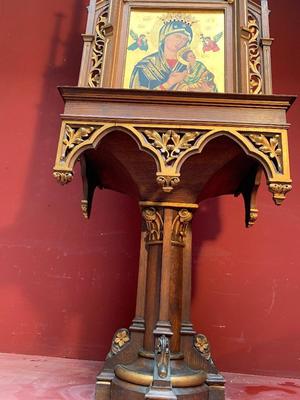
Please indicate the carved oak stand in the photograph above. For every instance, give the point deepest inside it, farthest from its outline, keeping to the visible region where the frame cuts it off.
(164, 150)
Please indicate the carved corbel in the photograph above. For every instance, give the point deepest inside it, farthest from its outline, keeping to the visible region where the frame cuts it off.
(249, 189)
(167, 182)
(63, 177)
(279, 191)
(89, 186)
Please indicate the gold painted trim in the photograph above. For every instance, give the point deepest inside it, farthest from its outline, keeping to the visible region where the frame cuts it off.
(195, 378)
(167, 204)
(168, 176)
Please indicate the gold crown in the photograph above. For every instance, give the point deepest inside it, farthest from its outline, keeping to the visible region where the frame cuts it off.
(180, 17)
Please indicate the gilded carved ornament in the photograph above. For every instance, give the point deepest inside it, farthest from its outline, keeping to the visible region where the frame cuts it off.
(255, 75)
(202, 345)
(63, 177)
(180, 225)
(279, 191)
(95, 74)
(74, 136)
(167, 182)
(253, 216)
(171, 143)
(85, 208)
(154, 224)
(171, 147)
(270, 146)
(121, 338)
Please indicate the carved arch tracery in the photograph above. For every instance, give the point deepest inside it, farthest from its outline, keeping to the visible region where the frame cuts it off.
(171, 147)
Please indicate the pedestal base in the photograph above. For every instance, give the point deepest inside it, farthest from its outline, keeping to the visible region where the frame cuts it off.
(121, 390)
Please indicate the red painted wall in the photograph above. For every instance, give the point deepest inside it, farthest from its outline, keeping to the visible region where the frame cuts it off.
(67, 284)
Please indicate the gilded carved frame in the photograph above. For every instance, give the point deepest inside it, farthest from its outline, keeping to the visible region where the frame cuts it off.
(247, 41)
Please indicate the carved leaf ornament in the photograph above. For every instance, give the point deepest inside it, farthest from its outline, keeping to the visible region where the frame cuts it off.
(170, 143)
(269, 146)
(75, 136)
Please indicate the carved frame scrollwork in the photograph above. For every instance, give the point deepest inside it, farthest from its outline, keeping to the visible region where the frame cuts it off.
(171, 147)
(98, 48)
(255, 57)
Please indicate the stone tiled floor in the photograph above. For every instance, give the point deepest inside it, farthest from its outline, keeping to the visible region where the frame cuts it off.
(47, 378)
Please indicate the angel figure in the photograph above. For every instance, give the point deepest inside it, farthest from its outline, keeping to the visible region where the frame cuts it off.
(140, 42)
(210, 44)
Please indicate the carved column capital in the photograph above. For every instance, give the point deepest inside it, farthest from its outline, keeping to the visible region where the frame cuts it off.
(180, 226)
(154, 224)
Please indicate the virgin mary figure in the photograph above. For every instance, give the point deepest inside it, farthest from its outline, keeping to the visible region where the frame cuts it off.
(162, 70)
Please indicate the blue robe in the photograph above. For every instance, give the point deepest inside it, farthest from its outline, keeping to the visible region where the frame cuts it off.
(153, 70)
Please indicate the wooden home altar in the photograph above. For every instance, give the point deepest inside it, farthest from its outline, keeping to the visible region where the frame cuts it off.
(172, 134)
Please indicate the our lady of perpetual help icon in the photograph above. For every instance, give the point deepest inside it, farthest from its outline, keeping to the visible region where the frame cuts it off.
(176, 52)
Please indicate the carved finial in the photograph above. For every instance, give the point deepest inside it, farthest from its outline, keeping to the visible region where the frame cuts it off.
(85, 208)
(279, 191)
(252, 217)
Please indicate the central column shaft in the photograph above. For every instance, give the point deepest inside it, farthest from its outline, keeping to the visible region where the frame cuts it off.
(164, 245)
